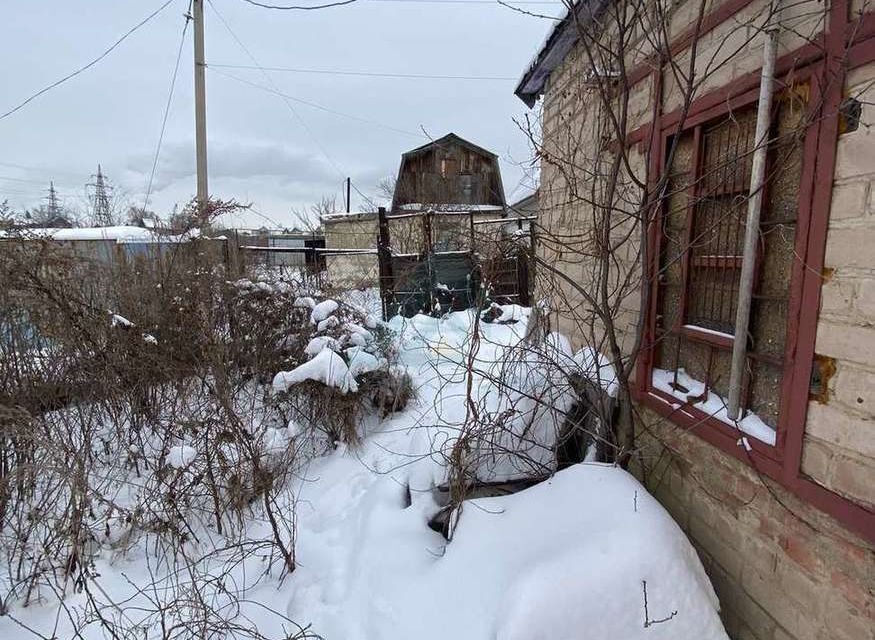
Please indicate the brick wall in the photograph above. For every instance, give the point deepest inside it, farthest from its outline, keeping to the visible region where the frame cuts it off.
(783, 570)
(839, 448)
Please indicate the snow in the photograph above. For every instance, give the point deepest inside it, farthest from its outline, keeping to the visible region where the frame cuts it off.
(458, 208)
(329, 323)
(304, 302)
(148, 338)
(120, 234)
(567, 559)
(181, 456)
(511, 313)
(360, 361)
(116, 320)
(317, 344)
(358, 335)
(366, 303)
(713, 332)
(597, 368)
(323, 310)
(357, 339)
(276, 440)
(714, 405)
(327, 367)
(93, 233)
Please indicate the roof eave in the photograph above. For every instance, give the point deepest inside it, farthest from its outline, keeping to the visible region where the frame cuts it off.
(556, 47)
(443, 140)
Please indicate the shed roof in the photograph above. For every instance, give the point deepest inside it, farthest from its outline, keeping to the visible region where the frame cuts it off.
(450, 138)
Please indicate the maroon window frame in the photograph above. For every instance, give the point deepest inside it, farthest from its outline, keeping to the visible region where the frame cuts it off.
(847, 43)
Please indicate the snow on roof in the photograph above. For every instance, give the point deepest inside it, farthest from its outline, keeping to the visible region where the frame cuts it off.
(419, 206)
(353, 215)
(120, 234)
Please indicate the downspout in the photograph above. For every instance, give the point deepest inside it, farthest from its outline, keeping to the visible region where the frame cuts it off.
(754, 209)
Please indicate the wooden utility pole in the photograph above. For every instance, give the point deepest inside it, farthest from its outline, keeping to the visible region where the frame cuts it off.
(200, 103)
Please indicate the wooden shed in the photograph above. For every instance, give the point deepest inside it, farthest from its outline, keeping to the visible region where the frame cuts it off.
(448, 171)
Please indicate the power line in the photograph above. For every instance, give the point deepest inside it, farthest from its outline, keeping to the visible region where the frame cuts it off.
(370, 74)
(319, 106)
(40, 182)
(166, 111)
(541, 2)
(90, 64)
(35, 191)
(264, 217)
(267, 77)
(286, 99)
(264, 5)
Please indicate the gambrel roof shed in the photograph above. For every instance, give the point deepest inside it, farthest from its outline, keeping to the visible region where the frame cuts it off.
(449, 171)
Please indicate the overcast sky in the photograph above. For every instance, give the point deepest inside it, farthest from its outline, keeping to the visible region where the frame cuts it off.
(260, 150)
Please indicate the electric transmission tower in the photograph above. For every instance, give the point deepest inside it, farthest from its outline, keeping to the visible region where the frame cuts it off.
(100, 211)
(54, 207)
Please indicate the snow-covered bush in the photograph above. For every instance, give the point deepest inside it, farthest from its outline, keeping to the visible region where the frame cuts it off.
(528, 409)
(267, 318)
(342, 369)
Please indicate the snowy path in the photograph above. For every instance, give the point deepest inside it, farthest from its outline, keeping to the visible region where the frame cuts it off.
(566, 556)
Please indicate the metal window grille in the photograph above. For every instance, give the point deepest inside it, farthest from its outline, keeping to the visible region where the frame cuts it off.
(717, 226)
(703, 226)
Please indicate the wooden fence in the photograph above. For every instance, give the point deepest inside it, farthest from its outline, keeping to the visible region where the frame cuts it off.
(462, 262)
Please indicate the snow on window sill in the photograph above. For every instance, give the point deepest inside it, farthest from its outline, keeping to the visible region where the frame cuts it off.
(714, 405)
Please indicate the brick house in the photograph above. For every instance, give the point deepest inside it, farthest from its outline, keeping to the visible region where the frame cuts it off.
(780, 504)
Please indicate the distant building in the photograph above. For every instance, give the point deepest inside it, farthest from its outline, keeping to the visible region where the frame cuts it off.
(449, 175)
(448, 171)
(527, 206)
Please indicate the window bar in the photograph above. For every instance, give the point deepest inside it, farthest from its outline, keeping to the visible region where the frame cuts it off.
(693, 189)
(739, 220)
(722, 216)
(737, 161)
(677, 359)
(708, 370)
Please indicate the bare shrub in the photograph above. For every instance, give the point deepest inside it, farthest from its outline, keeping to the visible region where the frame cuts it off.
(134, 416)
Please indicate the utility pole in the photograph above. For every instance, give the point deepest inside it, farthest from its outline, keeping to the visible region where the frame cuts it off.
(348, 185)
(200, 104)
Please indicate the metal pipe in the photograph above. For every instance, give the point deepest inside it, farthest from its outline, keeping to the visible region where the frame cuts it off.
(754, 209)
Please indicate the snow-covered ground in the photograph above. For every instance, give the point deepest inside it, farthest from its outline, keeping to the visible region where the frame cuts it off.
(587, 554)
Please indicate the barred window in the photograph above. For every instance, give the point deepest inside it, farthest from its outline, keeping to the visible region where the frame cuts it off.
(700, 257)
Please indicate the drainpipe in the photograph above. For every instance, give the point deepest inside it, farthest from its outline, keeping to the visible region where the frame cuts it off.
(754, 208)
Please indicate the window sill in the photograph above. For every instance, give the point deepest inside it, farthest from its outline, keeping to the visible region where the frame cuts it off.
(765, 458)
